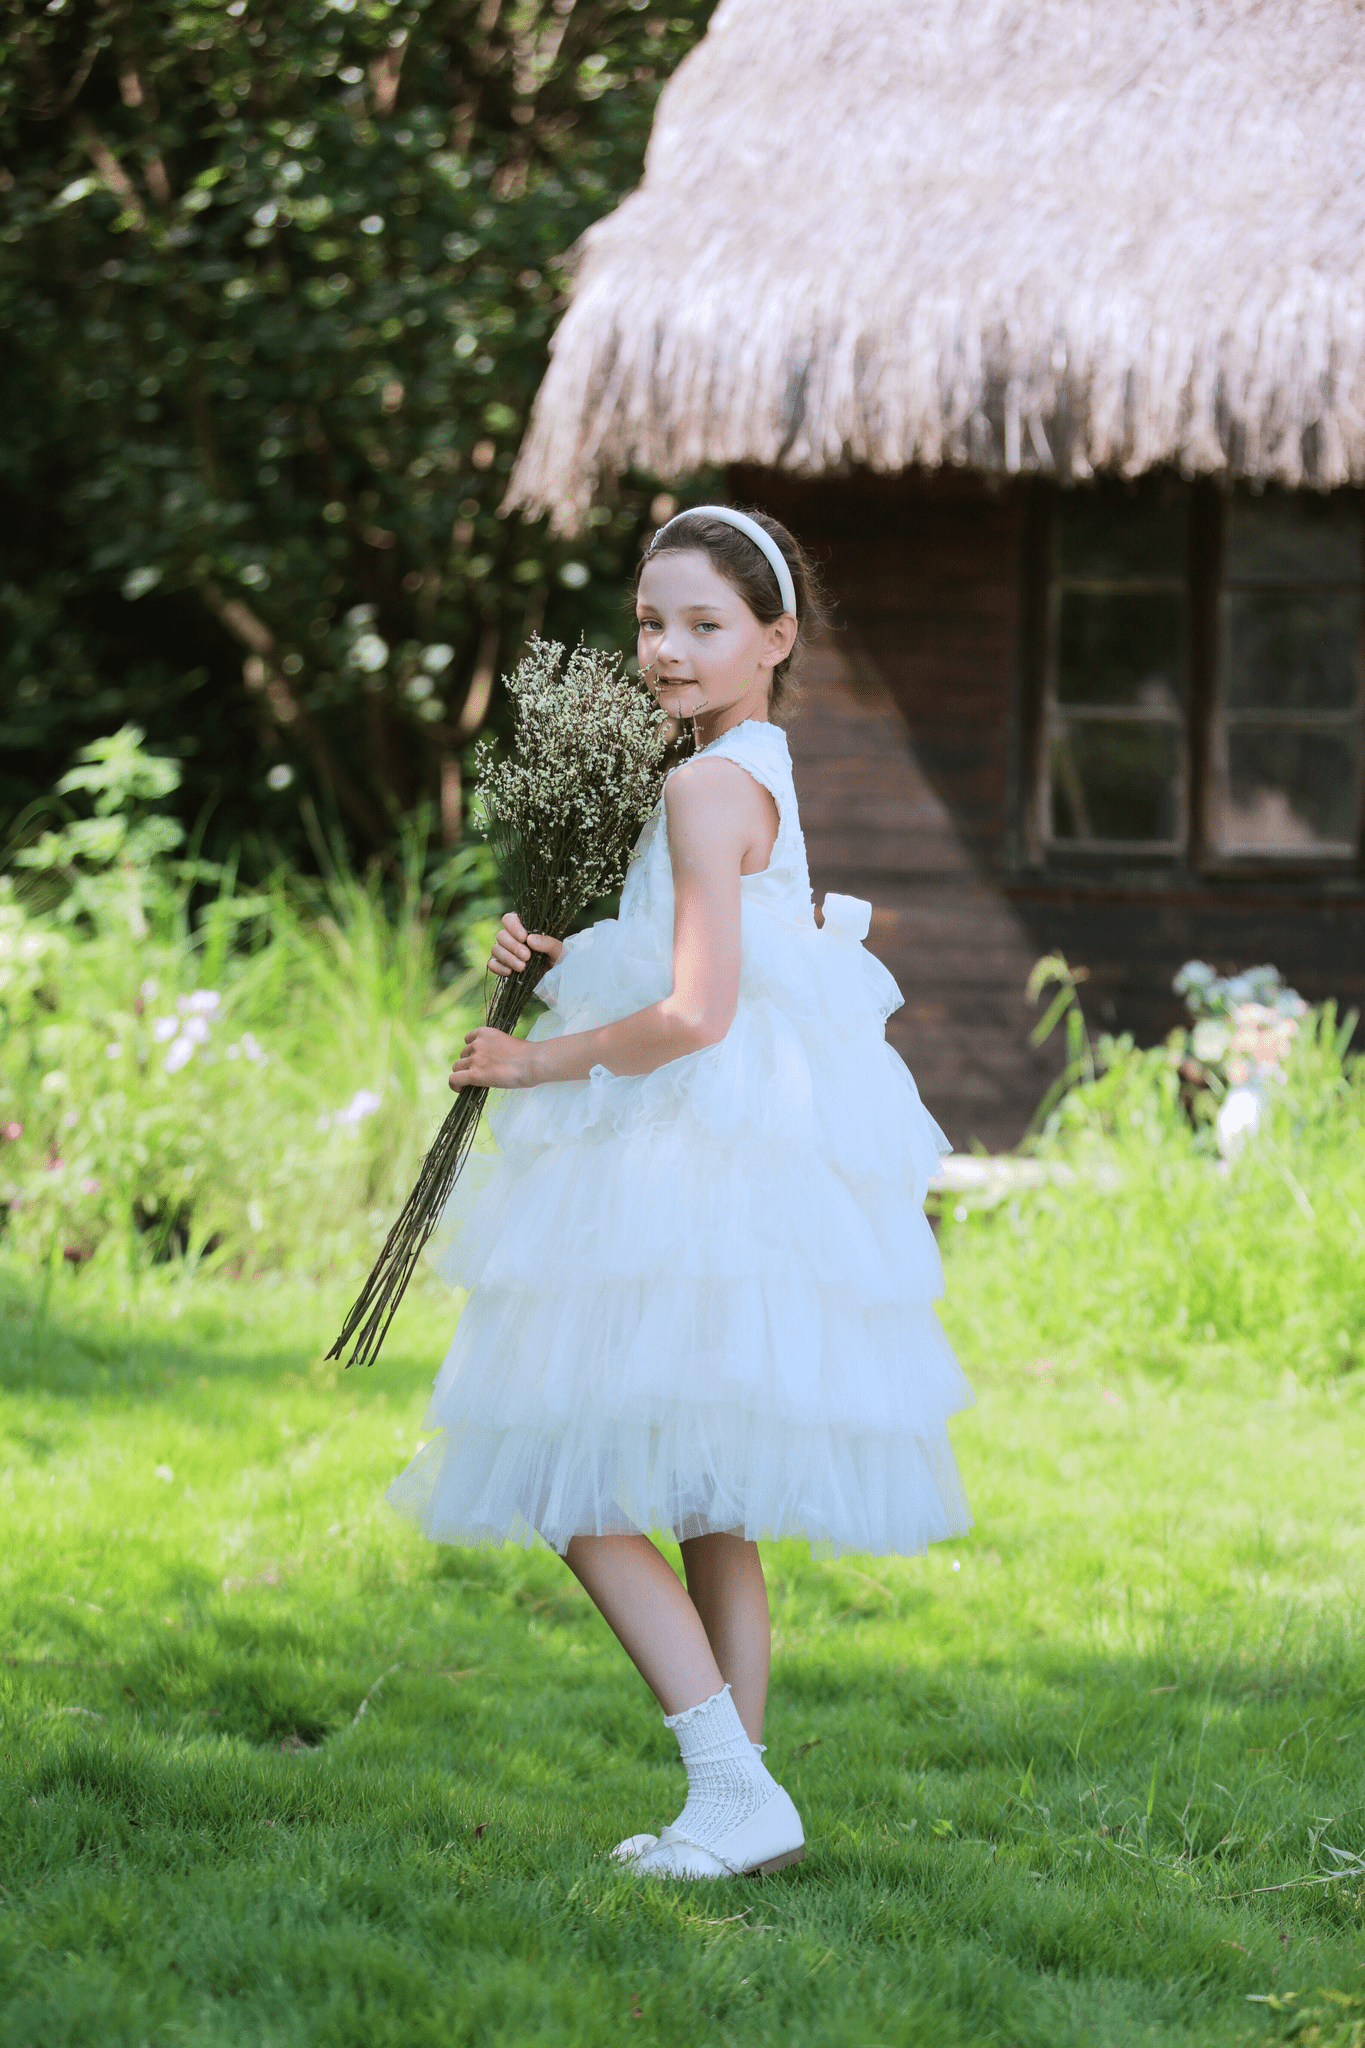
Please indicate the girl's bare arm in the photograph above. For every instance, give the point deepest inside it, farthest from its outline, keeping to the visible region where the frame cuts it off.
(717, 814)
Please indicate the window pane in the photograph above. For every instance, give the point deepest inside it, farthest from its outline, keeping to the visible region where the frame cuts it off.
(1292, 537)
(1116, 779)
(1121, 647)
(1291, 650)
(1116, 530)
(1289, 790)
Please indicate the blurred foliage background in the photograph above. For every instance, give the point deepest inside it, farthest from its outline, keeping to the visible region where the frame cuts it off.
(277, 279)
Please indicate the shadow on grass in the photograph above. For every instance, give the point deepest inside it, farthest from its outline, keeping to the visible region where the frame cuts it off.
(1075, 1773)
(1089, 1831)
(268, 1682)
(84, 1340)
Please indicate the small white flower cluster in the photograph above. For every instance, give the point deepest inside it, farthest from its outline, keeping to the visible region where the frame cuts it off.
(248, 1047)
(565, 809)
(362, 1104)
(189, 1028)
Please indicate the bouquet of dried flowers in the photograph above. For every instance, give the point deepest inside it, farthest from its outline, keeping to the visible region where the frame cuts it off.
(562, 813)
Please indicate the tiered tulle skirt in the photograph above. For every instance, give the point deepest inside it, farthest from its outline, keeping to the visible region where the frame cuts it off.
(702, 1299)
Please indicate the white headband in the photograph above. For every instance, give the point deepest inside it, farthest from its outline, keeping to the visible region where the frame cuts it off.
(744, 524)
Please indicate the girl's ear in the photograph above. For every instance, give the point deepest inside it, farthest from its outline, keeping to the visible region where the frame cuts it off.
(781, 638)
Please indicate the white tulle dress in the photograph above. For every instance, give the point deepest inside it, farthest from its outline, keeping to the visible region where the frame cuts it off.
(702, 1299)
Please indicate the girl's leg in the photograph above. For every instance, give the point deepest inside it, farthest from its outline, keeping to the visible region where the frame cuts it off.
(736, 1817)
(638, 1594)
(725, 1580)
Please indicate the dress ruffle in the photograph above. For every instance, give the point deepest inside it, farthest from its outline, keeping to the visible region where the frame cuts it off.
(701, 1298)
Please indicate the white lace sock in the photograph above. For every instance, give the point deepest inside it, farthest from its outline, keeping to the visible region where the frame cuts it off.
(727, 1781)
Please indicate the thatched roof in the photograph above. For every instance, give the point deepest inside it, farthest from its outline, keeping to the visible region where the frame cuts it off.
(1017, 234)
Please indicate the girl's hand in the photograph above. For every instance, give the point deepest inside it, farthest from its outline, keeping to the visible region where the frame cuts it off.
(514, 945)
(493, 1059)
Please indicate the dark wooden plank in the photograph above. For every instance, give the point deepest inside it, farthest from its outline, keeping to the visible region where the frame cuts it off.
(940, 922)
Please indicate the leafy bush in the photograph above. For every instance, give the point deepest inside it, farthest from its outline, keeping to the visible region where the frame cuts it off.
(276, 290)
(255, 1085)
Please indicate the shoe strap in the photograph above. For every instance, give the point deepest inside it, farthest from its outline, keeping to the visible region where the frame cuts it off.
(671, 1834)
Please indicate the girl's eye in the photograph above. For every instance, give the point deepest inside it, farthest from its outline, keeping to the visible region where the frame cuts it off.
(707, 626)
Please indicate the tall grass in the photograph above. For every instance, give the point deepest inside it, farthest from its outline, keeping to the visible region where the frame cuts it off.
(252, 1087)
(1147, 1247)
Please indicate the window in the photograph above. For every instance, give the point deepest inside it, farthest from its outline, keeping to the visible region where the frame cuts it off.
(1116, 684)
(1197, 660)
(1287, 744)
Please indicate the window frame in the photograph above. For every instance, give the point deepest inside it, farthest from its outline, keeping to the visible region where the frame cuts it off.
(1207, 721)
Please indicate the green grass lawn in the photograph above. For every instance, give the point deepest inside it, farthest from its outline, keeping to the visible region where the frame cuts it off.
(276, 1771)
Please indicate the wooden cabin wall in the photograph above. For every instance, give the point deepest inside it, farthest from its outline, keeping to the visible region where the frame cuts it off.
(908, 767)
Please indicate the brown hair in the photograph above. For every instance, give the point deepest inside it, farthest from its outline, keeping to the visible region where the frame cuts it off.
(742, 563)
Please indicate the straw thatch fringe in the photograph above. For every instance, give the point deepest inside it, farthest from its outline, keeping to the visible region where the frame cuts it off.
(1061, 235)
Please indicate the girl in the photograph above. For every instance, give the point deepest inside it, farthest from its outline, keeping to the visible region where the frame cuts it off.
(700, 1272)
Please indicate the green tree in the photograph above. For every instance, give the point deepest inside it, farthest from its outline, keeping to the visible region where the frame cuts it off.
(276, 283)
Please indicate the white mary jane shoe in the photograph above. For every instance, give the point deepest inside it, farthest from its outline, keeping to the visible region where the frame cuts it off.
(632, 1848)
(769, 1840)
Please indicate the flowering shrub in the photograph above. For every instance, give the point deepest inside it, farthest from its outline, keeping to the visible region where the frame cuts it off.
(1243, 1036)
(142, 1111)
(1245, 1024)
(209, 1088)
(1206, 1086)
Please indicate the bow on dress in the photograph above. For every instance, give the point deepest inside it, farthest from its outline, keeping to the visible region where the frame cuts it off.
(847, 917)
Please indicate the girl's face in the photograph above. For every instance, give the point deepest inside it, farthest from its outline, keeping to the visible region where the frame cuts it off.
(701, 648)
